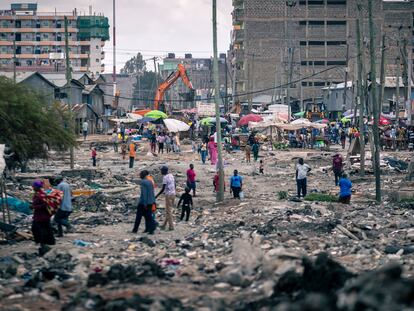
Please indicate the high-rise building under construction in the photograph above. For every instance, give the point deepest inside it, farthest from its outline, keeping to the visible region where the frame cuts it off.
(35, 41)
(311, 43)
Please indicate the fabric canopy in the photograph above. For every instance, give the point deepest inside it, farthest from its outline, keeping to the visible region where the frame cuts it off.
(134, 116)
(249, 118)
(299, 114)
(174, 125)
(141, 112)
(211, 120)
(156, 114)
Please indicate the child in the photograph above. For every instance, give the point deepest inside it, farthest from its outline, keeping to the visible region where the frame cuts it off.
(191, 182)
(93, 157)
(187, 204)
(261, 167)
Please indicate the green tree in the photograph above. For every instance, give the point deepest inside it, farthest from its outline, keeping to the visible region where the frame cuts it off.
(29, 126)
(136, 65)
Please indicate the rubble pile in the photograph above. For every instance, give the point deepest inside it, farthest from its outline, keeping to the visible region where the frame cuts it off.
(266, 252)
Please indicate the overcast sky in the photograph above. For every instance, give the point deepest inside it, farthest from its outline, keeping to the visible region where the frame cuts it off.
(153, 27)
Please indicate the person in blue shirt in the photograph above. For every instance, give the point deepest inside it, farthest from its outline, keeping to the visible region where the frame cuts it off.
(345, 187)
(145, 203)
(236, 184)
(62, 215)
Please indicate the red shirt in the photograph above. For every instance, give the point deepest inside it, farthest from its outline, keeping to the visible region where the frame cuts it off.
(39, 206)
(93, 153)
(191, 175)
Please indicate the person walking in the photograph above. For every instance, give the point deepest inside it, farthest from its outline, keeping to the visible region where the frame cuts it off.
(122, 130)
(191, 179)
(161, 141)
(343, 139)
(187, 201)
(123, 150)
(255, 149)
(261, 167)
(41, 227)
(168, 187)
(302, 171)
(145, 205)
(337, 166)
(236, 184)
(85, 127)
(248, 150)
(216, 182)
(212, 149)
(167, 143)
(63, 213)
(153, 142)
(94, 154)
(345, 186)
(132, 154)
(115, 141)
(203, 152)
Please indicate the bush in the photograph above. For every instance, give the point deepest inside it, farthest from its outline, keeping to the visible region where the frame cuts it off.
(321, 197)
(282, 195)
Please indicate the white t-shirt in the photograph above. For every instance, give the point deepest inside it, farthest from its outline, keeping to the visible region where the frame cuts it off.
(169, 182)
(302, 170)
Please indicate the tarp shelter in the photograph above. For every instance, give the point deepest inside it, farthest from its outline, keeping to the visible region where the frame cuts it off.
(174, 125)
(124, 120)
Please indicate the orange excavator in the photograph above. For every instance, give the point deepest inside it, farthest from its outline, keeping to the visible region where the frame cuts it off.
(164, 86)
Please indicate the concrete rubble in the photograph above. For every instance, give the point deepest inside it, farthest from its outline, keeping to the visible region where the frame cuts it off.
(262, 253)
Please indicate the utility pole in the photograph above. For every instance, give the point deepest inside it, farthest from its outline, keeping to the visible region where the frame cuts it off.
(346, 78)
(290, 63)
(233, 88)
(397, 89)
(375, 111)
(155, 70)
(251, 85)
(114, 50)
(382, 75)
(226, 107)
(14, 58)
(68, 88)
(361, 99)
(220, 193)
(404, 55)
(410, 79)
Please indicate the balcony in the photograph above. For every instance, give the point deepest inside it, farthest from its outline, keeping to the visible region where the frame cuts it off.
(238, 14)
(102, 55)
(238, 55)
(238, 36)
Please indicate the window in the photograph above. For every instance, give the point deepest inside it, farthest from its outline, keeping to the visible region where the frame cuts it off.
(317, 23)
(316, 42)
(336, 2)
(303, 63)
(304, 83)
(336, 42)
(38, 37)
(317, 83)
(302, 23)
(97, 60)
(315, 2)
(336, 62)
(336, 95)
(319, 63)
(336, 22)
(302, 2)
(302, 43)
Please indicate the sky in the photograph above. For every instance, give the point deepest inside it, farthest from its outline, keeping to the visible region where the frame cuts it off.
(153, 27)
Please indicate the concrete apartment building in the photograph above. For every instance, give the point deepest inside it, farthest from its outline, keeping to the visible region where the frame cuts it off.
(316, 35)
(37, 39)
(200, 72)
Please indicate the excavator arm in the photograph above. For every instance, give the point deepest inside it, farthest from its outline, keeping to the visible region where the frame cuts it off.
(164, 86)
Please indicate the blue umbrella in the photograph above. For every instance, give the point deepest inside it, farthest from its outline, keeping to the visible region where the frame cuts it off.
(146, 120)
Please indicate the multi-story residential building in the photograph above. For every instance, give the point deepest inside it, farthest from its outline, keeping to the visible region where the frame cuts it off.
(312, 41)
(35, 40)
(200, 72)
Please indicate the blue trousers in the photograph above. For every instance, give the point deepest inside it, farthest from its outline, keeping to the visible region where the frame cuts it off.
(301, 185)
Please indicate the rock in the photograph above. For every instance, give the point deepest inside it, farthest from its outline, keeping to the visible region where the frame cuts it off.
(147, 241)
(233, 277)
(192, 255)
(222, 286)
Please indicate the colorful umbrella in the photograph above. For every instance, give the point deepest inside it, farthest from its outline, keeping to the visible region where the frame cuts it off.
(384, 121)
(322, 121)
(146, 120)
(300, 114)
(249, 118)
(211, 121)
(174, 125)
(156, 114)
(345, 120)
(141, 112)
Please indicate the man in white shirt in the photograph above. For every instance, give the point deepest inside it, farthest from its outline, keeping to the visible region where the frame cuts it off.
(85, 127)
(302, 171)
(168, 187)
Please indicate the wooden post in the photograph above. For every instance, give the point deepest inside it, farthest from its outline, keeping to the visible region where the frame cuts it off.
(382, 75)
(375, 130)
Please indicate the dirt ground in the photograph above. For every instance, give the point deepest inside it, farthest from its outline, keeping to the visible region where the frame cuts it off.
(231, 255)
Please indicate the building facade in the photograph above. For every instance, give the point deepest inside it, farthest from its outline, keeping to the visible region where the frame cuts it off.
(311, 43)
(35, 41)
